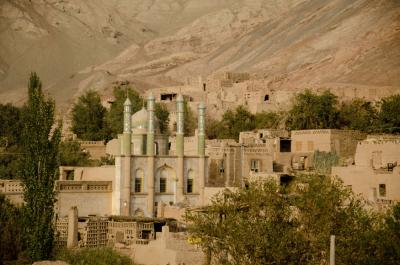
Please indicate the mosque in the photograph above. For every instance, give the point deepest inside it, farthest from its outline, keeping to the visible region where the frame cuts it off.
(144, 175)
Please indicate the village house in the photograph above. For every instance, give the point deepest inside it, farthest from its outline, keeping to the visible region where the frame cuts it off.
(375, 174)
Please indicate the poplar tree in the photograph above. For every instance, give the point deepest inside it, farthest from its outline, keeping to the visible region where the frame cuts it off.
(40, 141)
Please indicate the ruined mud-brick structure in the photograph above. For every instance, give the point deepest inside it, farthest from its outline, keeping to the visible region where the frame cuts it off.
(375, 173)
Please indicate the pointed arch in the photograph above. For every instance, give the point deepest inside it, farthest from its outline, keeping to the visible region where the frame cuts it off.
(165, 177)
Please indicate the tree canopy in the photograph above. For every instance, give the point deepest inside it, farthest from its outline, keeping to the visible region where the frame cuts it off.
(389, 114)
(190, 123)
(162, 114)
(88, 117)
(312, 111)
(358, 114)
(71, 154)
(236, 121)
(115, 115)
(268, 223)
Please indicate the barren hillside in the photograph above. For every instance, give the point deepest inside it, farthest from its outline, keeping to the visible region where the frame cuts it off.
(76, 45)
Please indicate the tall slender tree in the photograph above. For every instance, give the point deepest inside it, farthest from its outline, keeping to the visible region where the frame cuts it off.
(40, 141)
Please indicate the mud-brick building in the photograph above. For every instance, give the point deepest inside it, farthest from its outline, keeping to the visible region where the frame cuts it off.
(375, 174)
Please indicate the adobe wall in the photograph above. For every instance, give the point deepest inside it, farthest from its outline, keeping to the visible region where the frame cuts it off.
(91, 198)
(365, 181)
(343, 142)
(168, 248)
(308, 141)
(377, 153)
(103, 173)
(96, 149)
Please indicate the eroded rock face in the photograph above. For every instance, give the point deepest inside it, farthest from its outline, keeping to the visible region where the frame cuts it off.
(76, 45)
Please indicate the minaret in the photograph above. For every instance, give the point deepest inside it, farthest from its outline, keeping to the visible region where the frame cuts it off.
(150, 156)
(201, 150)
(126, 142)
(180, 148)
(126, 159)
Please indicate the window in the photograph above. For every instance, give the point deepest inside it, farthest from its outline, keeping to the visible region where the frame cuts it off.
(69, 174)
(221, 167)
(255, 165)
(163, 185)
(138, 185)
(285, 145)
(266, 97)
(382, 190)
(189, 188)
(168, 97)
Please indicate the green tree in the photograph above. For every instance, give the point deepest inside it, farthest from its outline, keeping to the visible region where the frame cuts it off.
(71, 154)
(88, 117)
(190, 123)
(389, 114)
(312, 111)
(390, 237)
(40, 142)
(268, 223)
(234, 122)
(115, 116)
(10, 138)
(213, 127)
(10, 125)
(162, 114)
(10, 159)
(267, 120)
(358, 114)
(10, 230)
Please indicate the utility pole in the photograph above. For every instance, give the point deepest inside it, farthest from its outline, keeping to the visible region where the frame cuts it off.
(332, 251)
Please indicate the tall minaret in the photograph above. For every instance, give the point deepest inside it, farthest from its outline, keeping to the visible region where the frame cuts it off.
(126, 159)
(150, 156)
(126, 142)
(201, 129)
(180, 148)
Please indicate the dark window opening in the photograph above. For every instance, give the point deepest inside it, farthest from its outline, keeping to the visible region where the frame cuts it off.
(285, 146)
(189, 188)
(261, 135)
(266, 97)
(382, 190)
(169, 97)
(391, 166)
(156, 151)
(169, 146)
(69, 174)
(138, 185)
(163, 185)
(221, 167)
(204, 86)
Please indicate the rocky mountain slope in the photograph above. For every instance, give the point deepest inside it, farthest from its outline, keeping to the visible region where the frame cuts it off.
(76, 45)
